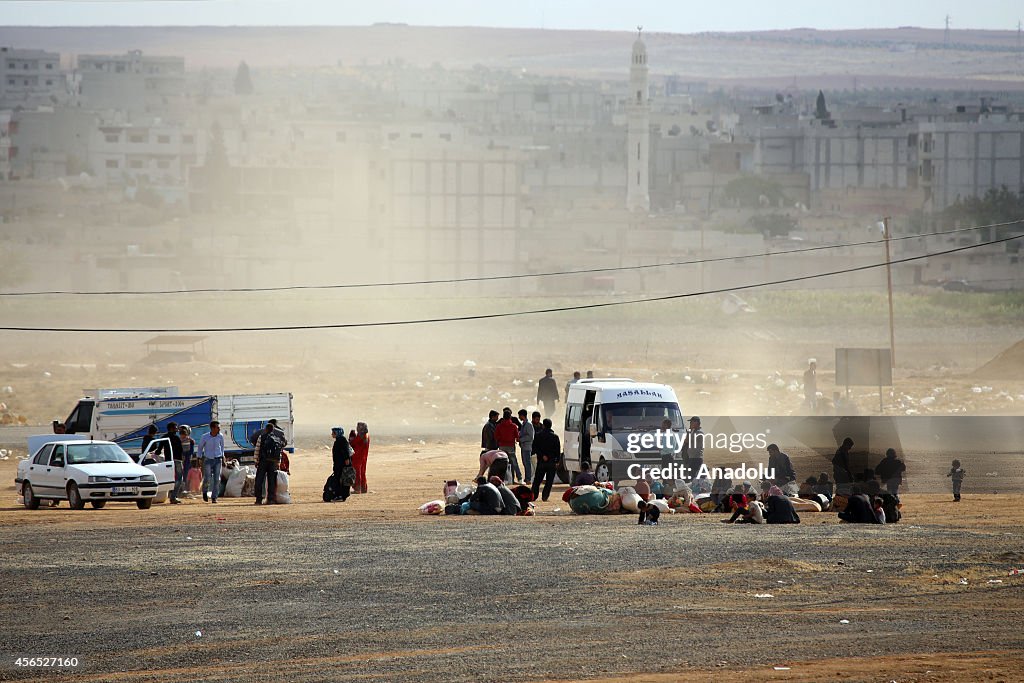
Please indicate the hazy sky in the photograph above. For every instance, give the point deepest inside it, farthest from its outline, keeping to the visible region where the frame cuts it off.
(677, 16)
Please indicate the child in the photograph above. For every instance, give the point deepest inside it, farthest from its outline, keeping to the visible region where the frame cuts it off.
(879, 511)
(957, 473)
(649, 514)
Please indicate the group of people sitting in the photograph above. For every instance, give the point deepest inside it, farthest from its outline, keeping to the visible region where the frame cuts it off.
(493, 497)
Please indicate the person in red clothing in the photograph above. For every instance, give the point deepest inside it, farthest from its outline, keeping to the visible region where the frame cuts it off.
(360, 442)
(506, 433)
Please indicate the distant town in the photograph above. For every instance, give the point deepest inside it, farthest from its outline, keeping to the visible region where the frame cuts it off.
(134, 161)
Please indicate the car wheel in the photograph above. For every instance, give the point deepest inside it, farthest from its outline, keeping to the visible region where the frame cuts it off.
(75, 497)
(145, 503)
(603, 471)
(29, 496)
(98, 504)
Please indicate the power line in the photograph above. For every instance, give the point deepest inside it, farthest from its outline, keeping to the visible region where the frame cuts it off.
(511, 314)
(489, 278)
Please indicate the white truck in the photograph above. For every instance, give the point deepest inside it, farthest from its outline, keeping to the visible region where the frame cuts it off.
(124, 416)
(603, 417)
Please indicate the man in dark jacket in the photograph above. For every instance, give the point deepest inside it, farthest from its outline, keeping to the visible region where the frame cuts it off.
(890, 471)
(269, 445)
(486, 499)
(547, 393)
(779, 510)
(487, 440)
(841, 472)
(785, 475)
(176, 452)
(548, 448)
(858, 510)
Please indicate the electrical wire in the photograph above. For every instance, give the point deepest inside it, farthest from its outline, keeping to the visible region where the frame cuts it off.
(510, 314)
(489, 278)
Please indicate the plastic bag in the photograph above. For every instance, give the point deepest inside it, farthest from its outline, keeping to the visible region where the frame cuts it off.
(282, 482)
(434, 507)
(630, 499)
(283, 498)
(661, 504)
(236, 481)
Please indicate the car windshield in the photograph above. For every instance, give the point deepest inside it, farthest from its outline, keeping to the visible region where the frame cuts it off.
(91, 453)
(637, 417)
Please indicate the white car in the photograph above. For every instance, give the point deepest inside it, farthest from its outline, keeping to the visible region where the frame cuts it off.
(93, 472)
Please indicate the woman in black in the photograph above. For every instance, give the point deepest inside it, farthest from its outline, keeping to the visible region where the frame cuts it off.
(343, 469)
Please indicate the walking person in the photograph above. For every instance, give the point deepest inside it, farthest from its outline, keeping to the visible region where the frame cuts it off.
(549, 453)
(527, 431)
(547, 393)
(359, 440)
(811, 385)
(175, 453)
(269, 445)
(507, 434)
(211, 452)
(890, 470)
(344, 473)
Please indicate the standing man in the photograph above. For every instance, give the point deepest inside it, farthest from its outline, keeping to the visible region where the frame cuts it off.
(176, 453)
(507, 434)
(487, 440)
(549, 453)
(841, 473)
(269, 445)
(890, 471)
(575, 378)
(547, 393)
(211, 452)
(694, 447)
(811, 385)
(782, 466)
(526, 433)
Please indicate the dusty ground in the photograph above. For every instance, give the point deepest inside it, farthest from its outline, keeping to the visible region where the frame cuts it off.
(369, 589)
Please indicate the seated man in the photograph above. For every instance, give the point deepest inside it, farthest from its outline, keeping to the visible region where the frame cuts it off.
(494, 463)
(585, 477)
(508, 499)
(858, 509)
(780, 511)
(487, 499)
(649, 513)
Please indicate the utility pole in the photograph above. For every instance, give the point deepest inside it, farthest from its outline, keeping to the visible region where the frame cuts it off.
(888, 275)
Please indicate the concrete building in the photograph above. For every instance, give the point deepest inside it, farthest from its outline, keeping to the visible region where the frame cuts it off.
(29, 76)
(638, 138)
(155, 154)
(132, 83)
(967, 159)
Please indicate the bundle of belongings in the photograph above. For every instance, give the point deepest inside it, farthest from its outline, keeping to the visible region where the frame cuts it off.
(486, 497)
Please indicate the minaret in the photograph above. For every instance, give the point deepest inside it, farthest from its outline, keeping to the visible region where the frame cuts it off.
(638, 139)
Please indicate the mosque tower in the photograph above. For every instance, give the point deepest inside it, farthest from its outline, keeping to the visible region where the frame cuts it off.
(638, 139)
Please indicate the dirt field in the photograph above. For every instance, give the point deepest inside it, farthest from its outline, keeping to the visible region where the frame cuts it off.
(369, 589)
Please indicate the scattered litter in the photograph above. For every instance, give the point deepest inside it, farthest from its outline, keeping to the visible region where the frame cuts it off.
(336, 571)
(764, 595)
(844, 621)
(781, 668)
(871, 571)
(995, 580)
(1015, 572)
(991, 474)
(188, 538)
(962, 581)
(199, 634)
